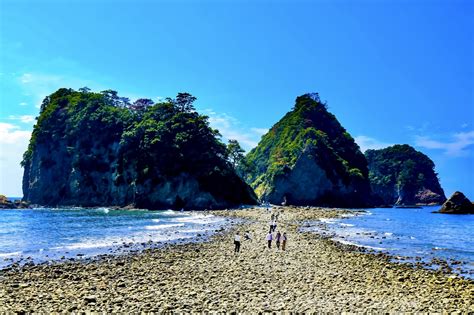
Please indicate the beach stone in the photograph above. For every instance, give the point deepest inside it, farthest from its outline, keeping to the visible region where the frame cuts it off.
(90, 299)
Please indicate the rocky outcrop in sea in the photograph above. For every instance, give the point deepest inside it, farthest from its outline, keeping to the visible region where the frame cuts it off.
(98, 149)
(457, 204)
(401, 175)
(7, 204)
(308, 158)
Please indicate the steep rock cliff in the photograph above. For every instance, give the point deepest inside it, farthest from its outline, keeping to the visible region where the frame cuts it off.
(98, 149)
(308, 158)
(403, 176)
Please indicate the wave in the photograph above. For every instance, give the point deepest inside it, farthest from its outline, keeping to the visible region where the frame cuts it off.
(328, 221)
(12, 254)
(346, 224)
(200, 219)
(358, 245)
(163, 226)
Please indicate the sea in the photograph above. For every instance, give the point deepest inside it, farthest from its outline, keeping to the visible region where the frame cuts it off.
(409, 235)
(47, 235)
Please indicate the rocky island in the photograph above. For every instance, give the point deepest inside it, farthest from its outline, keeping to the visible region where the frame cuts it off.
(99, 149)
(401, 175)
(457, 204)
(7, 204)
(308, 158)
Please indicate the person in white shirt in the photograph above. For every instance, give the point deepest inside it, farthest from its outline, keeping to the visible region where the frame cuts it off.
(269, 239)
(237, 242)
(247, 236)
(274, 226)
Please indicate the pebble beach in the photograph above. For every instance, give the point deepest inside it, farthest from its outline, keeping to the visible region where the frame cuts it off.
(314, 274)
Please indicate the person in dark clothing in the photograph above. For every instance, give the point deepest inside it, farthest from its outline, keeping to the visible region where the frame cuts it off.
(277, 239)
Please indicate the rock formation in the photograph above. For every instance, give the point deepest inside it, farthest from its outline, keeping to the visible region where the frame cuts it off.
(457, 204)
(7, 204)
(98, 149)
(403, 176)
(308, 158)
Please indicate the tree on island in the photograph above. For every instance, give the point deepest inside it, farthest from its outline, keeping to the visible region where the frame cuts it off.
(236, 154)
(141, 104)
(84, 89)
(184, 102)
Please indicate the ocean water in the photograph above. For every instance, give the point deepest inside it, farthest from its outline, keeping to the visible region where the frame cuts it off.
(39, 235)
(409, 235)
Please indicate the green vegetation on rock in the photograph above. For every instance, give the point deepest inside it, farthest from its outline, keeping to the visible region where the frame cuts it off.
(401, 175)
(308, 158)
(91, 149)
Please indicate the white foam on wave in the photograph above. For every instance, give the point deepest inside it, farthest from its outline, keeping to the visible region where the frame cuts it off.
(12, 254)
(358, 245)
(388, 233)
(346, 224)
(87, 244)
(200, 219)
(328, 221)
(168, 212)
(156, 220)
(163, 226)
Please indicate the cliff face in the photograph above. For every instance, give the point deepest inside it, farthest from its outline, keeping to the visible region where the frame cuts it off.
(401, 175)
(308, 158)
(97, 149)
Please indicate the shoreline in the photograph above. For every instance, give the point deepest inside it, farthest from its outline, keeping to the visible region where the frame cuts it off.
(314, 274)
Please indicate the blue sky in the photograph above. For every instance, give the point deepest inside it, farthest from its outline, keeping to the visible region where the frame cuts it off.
(391, 71)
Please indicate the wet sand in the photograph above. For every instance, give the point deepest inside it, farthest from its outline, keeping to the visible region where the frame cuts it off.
(313, 274)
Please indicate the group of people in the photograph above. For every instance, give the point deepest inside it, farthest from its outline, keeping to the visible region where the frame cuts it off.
(280, 239)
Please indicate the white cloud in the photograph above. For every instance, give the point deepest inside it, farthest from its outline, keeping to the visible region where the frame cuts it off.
(26, 78)
(13, 143)
(40, 85)
(456, 146)
(27, 119)
(23, 103)
(367, 143)
(231, 128)
(259, 131)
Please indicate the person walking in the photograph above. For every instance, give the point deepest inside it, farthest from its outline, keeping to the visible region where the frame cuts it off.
(237, 242)
(269, 239)
(274, 225)
(277, 239)
(283, 241)
(271, 225)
